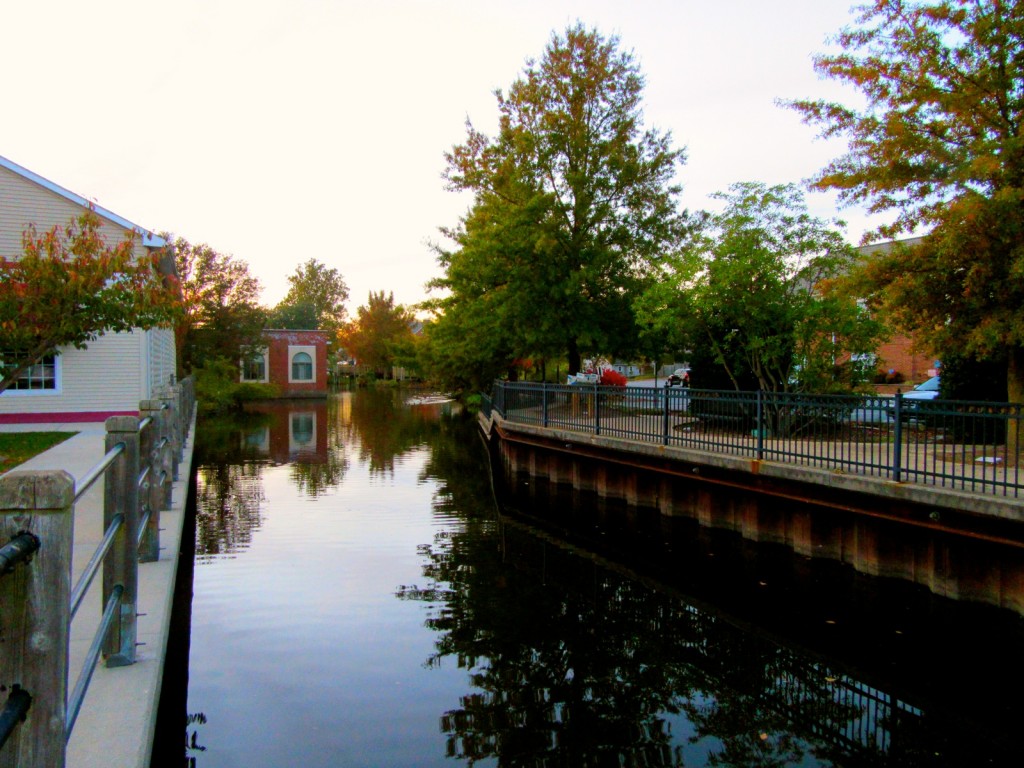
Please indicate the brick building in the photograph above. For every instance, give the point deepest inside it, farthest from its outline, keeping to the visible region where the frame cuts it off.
(294, 361)
(898, 354)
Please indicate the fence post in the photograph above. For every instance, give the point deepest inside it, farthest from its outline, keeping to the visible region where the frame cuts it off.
(760, 424)
(36, 613)
(665, 431)
(544, 401)
(897, 449)
(173, 429)
(121, 565)
(597, 409)
(151, 455)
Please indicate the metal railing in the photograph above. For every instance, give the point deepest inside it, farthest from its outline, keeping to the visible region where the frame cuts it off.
(37, 511)
(959, 444)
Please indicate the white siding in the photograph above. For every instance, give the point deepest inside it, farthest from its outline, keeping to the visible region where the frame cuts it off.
(117, 370)
(103, 377)
(162, 359)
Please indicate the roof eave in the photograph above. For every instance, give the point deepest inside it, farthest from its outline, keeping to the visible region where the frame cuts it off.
(149, 239)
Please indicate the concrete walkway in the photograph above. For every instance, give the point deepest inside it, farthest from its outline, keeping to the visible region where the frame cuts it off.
(118, 717)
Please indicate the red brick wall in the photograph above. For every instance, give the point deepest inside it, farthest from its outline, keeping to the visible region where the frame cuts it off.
(897, 355)
(279, 362)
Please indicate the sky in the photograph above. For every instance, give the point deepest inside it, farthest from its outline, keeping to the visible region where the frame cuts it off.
(278, 131)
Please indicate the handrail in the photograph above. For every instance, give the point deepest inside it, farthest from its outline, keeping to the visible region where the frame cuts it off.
(93, 566)
(137, 468)
(948, 443)
(97, 472)
(91, 657)
(15, 709)
(18, 550)
(143, 522)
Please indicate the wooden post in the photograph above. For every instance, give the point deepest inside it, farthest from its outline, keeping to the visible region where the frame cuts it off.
(121, 565)
(153, 493)
(173, 429)
(36, 613)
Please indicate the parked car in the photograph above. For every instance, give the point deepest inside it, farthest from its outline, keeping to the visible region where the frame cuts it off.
(678, 377)
(910, 408)
(927, 390)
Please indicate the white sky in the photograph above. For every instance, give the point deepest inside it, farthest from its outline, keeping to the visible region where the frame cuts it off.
(282, 130)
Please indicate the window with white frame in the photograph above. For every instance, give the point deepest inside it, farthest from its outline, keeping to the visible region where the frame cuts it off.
(302, 430)
(301, 363)
(41, 378)
(254, 366)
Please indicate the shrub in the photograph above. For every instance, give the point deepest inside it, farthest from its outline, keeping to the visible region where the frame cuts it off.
(612, 378)
(218, 388)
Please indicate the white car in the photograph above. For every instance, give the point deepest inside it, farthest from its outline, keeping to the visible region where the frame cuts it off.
(911, 408)
(678, 377)
(926, 390)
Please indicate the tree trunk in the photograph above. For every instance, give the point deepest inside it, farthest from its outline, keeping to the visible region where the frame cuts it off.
(574, 357)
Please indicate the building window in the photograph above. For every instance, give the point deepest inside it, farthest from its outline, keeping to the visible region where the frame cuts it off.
(302, 367)
(43, 377)
(254, 368)
(303, 428)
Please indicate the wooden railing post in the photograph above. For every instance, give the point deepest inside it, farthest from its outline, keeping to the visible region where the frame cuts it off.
(151, 456)
(35, 613)
(173, 429)
(121, 565)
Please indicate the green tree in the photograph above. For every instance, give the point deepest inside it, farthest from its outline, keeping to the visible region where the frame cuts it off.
(573, 203)
(751, 293)
(379, 332)
(296, 317)
(222, 315)
(315, 300)
(69, 286)
(939, 144)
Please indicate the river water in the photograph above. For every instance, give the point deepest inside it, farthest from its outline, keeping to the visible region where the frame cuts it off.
(366, 593)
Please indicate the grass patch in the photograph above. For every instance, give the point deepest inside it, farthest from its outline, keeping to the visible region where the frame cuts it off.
(19, 447)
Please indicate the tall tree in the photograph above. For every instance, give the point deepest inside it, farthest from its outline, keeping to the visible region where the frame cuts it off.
(573, 202)
(69, 286)
(378, 332)
(940, 144)
(222, 313)
(315, 300)
(751, 294)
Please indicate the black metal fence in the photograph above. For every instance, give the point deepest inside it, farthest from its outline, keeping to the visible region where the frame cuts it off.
(959, 444)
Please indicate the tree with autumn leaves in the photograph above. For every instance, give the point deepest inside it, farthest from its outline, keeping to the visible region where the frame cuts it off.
(69, 286)
(939, 145)
(380, 335)
(221, 311)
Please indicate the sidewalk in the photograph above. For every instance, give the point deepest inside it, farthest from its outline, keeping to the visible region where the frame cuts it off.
(116, 724)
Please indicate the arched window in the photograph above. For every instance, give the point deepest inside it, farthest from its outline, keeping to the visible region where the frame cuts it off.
(302, 367)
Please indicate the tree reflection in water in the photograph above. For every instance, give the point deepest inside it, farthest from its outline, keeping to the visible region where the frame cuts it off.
(574, 660)
(577, 656)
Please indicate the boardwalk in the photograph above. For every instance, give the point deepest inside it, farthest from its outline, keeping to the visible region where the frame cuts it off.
(118, 717)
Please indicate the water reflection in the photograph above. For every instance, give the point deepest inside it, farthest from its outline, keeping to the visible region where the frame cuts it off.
(579, 660)
(522, 638)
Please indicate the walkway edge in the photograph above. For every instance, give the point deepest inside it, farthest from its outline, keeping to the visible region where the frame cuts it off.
(117, 723)
(1005, 509)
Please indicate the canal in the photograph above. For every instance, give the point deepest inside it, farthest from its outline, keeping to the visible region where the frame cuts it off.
(365, 592)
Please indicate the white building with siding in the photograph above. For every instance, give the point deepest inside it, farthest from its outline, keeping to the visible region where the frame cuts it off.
(114, 372)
